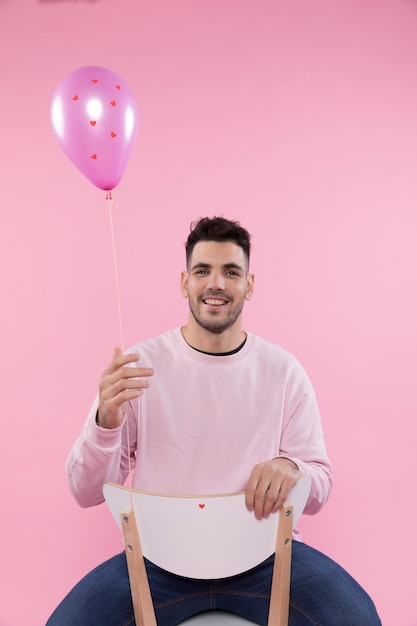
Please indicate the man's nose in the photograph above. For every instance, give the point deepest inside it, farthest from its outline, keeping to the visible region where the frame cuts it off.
(216, 281)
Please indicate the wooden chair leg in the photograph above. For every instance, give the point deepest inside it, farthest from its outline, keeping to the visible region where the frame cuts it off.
(280, 590)
(139, 585)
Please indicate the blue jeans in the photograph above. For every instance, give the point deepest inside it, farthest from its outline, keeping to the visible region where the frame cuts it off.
(322, 594)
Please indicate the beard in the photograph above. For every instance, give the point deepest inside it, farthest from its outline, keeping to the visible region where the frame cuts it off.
(214, 321)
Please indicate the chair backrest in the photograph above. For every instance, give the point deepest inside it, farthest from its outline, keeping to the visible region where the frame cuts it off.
(210, 536)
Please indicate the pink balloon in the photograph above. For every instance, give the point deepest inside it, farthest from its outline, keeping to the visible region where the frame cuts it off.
(95, 121)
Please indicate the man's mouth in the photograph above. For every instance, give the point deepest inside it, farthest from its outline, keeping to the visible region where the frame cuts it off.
(214, 302)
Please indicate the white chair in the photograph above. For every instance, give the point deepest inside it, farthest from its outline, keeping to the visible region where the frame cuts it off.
(204, 537)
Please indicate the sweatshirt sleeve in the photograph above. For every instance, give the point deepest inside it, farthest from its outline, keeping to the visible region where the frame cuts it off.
(101, 455)
(303, 443)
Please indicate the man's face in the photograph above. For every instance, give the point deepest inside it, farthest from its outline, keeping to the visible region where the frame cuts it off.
(216, 284)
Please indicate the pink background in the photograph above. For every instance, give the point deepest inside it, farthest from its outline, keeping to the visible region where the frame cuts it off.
(300, 119)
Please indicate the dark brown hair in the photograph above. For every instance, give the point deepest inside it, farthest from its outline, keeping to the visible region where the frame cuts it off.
(217, 229)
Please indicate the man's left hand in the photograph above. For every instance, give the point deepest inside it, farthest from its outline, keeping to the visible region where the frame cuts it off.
(269, 485)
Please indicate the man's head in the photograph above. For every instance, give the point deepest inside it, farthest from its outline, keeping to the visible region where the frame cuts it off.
(218, 229)
(217, 280)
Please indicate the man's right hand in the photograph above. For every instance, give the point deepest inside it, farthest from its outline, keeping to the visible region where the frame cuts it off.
(119, 383)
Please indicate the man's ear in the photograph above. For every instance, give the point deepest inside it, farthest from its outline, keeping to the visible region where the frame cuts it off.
(250, 286)
(184, 284)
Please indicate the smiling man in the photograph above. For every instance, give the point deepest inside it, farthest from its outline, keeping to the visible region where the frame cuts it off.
(217, 283)
(210, 408)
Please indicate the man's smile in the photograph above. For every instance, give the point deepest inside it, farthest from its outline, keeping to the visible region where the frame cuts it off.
(214, 301)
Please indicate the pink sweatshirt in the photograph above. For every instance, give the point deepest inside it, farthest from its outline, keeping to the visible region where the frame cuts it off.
(204, 422)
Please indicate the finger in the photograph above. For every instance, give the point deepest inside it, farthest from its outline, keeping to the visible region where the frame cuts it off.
(125, 384)
(251, 488)
(110, 378)
(286, 486)
(273, 497)
(117, 352)
(257, 489)
(127, 373)
(120, 359)
(265, 496)
(111, 403)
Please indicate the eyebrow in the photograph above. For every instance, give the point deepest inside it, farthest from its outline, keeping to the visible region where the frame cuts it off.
(226, 266)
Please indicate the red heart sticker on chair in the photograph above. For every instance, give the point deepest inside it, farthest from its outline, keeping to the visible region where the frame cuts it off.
(113, 134)
(93, 122)
(94, 80)
(201, 506)
(94, 156)
(113, 103)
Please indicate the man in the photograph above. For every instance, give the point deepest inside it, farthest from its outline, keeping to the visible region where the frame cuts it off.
(210, 408)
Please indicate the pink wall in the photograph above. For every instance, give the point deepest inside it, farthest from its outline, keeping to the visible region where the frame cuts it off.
(300, 119)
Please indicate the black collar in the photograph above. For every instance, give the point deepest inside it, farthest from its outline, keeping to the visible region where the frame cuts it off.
(222, 353)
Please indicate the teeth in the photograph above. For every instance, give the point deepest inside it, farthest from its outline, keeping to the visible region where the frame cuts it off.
(214, 302)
